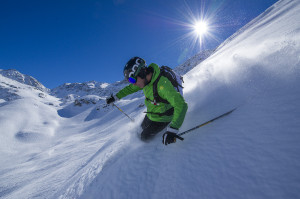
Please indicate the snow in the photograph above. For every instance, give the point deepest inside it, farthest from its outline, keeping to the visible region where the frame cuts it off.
(50, 148)
(16, 75)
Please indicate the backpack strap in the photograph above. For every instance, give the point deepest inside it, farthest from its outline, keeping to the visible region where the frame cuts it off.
(156, 96)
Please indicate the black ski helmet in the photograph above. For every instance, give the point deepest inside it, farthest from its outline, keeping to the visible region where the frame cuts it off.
(133, 67)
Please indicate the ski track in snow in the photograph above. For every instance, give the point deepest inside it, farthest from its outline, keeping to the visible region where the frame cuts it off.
(53, 149)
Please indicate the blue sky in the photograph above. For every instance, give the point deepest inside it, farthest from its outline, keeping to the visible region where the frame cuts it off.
(67, 41)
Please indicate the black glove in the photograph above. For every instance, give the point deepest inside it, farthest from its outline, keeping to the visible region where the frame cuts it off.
(169, 138)
(110, 99)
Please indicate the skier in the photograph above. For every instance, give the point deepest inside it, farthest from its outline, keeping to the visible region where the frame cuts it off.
(170, 113)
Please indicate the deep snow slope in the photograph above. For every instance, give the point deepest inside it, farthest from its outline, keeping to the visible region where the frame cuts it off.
(51, 149)
(255, 151)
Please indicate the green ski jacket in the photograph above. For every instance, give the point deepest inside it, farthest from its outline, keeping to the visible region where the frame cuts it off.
(166, 91)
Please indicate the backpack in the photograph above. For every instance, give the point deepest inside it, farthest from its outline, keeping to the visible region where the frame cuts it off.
(173, 77)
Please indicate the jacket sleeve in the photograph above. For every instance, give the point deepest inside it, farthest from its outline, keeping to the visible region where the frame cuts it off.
(127, 91)
(167, 91)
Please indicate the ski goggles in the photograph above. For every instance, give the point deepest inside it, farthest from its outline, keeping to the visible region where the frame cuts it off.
(133, 74)
(132, 80)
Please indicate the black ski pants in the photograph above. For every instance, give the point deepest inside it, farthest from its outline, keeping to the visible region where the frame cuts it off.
(151, 128)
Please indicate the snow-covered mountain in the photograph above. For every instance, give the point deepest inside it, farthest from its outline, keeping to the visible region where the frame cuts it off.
(78, 93)
(14, 85)
(105, 89)
(80, 89)
(77, 90)
(193, 61)
(50, 148)
(25, 79)
(73, 96)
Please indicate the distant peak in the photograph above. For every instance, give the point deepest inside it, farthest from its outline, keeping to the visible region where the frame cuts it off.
(22, 78)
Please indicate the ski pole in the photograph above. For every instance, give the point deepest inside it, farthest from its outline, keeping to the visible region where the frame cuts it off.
(123, 112)
(210, 121)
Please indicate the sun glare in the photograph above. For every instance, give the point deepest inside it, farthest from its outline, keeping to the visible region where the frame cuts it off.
(200, 28)
(197, 24)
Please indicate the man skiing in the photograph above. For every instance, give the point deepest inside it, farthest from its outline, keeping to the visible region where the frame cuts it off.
(170, 113)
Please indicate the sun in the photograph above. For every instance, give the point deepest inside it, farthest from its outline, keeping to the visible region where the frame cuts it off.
(200, 28)
(197, 24)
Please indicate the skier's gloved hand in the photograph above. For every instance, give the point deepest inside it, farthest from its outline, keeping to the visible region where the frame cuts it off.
(170, 136)
(111, 99)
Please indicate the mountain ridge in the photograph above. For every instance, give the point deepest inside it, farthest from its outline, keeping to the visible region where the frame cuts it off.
(102, 89)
